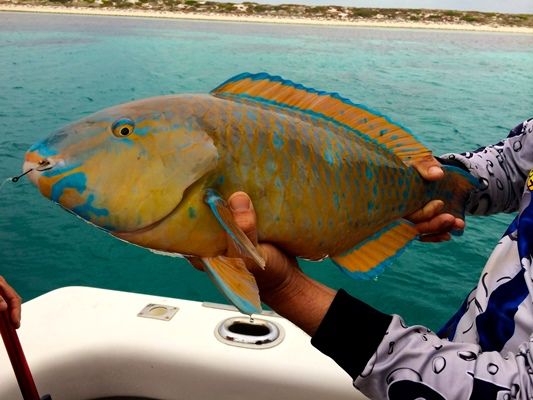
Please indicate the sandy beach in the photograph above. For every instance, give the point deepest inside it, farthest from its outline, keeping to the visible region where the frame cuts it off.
(260, 19)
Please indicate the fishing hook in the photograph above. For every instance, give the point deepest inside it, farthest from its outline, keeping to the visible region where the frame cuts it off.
(44, 165)
(16, 178)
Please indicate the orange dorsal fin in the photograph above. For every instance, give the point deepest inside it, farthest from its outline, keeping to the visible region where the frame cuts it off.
(275, 91)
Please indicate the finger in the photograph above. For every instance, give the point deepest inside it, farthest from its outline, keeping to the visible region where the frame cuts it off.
(442, 223)
(429, 168)
(430, 210)
(244, 215)
(441, 237)
(16, 316)
(459, 224)
(10, 300)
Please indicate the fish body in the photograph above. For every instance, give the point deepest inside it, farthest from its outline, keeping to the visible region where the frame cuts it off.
(327, 178)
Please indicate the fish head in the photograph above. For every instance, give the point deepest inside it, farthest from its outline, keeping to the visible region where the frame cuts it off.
(124, 168)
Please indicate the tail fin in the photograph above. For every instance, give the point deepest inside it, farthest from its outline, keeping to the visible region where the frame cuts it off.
(454, 189)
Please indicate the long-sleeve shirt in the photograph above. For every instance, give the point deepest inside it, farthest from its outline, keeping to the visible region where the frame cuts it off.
(484, 351)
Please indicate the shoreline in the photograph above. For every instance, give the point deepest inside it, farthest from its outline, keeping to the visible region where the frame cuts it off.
(259, 19)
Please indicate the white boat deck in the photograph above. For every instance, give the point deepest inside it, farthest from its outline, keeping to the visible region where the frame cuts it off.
(86, 343)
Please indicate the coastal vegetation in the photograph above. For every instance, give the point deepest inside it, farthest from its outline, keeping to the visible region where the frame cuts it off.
(333, 13)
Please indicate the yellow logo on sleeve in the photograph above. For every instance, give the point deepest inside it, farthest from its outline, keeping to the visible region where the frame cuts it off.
(530, 180)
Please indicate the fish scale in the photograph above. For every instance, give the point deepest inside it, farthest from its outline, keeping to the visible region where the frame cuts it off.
(316, 141)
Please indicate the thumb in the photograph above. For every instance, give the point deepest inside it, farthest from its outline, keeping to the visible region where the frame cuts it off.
(429, 168)
(244, 215)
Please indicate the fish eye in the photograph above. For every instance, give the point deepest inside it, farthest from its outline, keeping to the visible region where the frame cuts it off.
(123, 127)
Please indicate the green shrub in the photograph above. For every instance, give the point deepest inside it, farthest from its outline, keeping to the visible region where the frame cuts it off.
(363, 12)
(469, 18)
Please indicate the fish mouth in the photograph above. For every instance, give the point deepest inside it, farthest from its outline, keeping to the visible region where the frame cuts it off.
(34, 165)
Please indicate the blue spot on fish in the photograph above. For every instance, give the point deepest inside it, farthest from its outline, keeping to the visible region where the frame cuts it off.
(43, 149)
(369, 173)
(337, 176)
(87, 209)
(237, 114)
(328, 157)
(400, 180)
(277, 141)
(271, 167)
(142, 131)
(192, 212)
(336, 200)
(75, 181)
(252, 116)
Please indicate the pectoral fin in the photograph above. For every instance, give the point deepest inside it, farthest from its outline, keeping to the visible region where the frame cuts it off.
(220, 209)
(370, 257)
(232, 277)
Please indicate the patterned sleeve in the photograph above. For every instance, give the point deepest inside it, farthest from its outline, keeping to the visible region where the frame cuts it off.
(414, 363)
(502, 171)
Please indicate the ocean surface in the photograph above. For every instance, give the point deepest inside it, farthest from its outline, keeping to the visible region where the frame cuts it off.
(455, 90)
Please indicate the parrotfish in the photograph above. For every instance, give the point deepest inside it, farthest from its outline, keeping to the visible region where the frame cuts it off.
(327, 177)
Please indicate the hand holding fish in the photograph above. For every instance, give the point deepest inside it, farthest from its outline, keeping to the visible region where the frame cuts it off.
(282, 284)
(284, 287)
(10, 300)
(431, 223)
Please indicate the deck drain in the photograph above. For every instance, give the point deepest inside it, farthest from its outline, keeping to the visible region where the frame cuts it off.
(158, 311)
(253, 334)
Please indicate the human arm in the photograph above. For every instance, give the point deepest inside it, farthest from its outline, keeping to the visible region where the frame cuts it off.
(10, 300)
(413, 362)
(384, 357)
(502, 169)
(432, 224)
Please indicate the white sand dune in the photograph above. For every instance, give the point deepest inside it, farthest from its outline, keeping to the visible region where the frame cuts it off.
(261, 19)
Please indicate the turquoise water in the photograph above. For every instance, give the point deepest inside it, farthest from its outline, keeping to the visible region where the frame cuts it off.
(456, 90)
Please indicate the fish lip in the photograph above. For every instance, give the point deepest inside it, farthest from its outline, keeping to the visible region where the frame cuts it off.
(34, 169)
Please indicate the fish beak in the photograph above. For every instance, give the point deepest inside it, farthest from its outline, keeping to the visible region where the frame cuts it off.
(34, 164)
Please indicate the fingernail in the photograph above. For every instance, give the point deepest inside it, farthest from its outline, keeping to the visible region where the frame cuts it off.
(435, 171)
(240, 203)
(439, 205)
